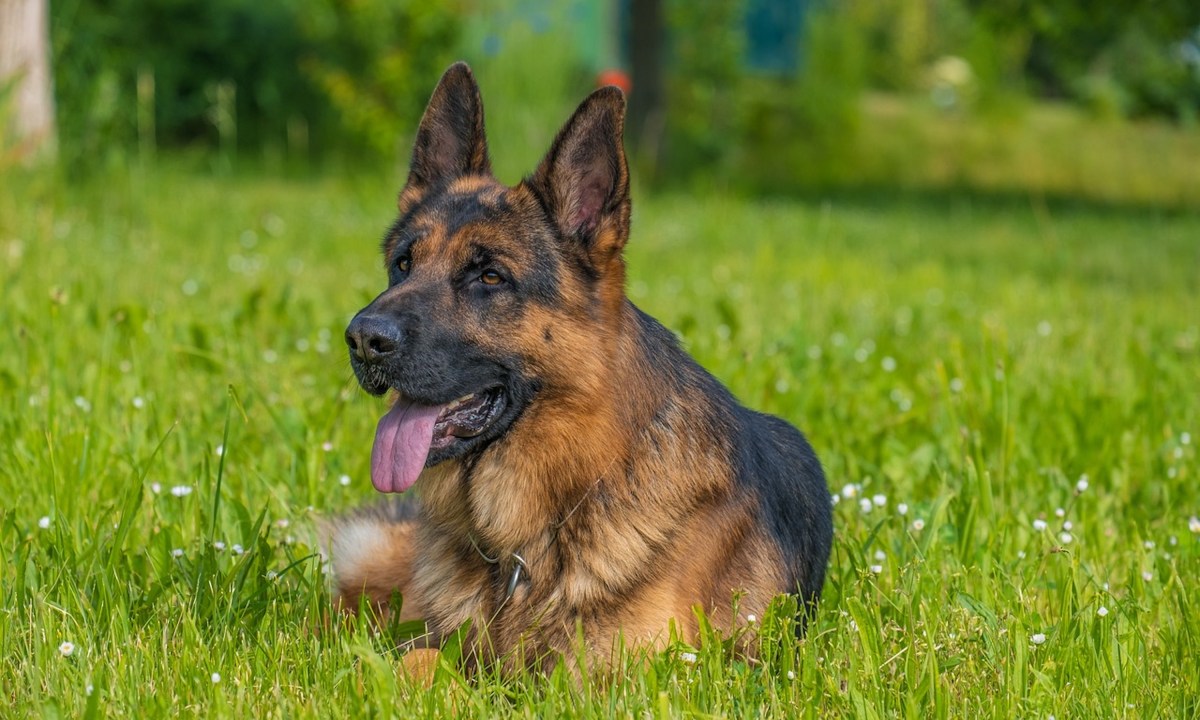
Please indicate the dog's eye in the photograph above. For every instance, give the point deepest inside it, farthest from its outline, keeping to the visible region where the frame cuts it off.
(490, 277)
(404, 264)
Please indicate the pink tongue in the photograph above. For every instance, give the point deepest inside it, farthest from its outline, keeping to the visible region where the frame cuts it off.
(401, 445)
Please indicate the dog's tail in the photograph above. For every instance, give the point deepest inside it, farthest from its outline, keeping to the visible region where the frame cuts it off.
(370, 552)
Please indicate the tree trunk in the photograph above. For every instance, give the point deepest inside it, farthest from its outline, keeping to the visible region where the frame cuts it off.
(25, 73)
(647, 100)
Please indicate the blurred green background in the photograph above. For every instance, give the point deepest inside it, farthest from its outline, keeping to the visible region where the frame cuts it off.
(1064, 97)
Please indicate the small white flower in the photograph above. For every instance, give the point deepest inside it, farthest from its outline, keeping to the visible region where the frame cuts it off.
(89, 689)
(44, 522)
(877, 569)
(218, 545)
(1039, 524)
(688, 657)
(956, 385)
(918, 524)
(138, 402)
(1037, 638)
(177, 553)
(1067, 525)
(282, 523)
(1020, 554)
(271, 575)
(1102, 611)
(1194, 524)
(1185, 438)
(880, 555)
(834, 499)
(1082, 485)
(1059, 512)
(888, 364)
(66, 649)
(1066, 538)
(865, 505)
(1172, 541)
(344, 480)
(82, 403)
(879, 499)
(220, 450)
(751, 618)
(791, 675)
(216, 678)
(181, 490)
(1147, 576)
(237, 549)
(327, 446)
(1149, 544)
(1105, 586)
(902, 508)
(853, 626)
(849, 490)
(155, 487)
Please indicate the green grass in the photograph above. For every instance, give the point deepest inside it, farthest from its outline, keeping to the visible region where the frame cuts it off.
(970, 359)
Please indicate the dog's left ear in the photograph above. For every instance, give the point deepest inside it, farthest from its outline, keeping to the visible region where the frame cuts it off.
(584, 180)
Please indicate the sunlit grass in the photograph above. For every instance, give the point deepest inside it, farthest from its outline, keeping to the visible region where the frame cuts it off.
(1003, 394)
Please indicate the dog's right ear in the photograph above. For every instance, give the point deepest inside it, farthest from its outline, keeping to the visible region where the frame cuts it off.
(450, 140)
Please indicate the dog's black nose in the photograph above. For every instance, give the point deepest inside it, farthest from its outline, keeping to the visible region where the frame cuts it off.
(372, 338)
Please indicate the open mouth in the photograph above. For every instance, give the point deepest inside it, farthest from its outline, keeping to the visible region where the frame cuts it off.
(410, 432)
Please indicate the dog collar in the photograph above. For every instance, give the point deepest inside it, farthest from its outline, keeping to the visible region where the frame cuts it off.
(519, 567)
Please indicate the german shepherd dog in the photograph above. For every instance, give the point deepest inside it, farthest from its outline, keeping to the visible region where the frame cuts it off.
(579, 475)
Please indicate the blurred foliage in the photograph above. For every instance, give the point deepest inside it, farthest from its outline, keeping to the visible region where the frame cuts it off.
(346, 74)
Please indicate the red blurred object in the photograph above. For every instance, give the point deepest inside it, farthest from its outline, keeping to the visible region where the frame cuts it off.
(614, 77)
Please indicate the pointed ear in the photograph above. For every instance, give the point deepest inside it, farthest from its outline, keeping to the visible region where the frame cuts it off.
(584, 181)
(450, 139)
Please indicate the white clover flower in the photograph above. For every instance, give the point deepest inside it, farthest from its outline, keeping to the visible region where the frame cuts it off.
(155, 487)
(327, 446)
(1082, 484)
(1149, 544)
(751, 618)
(1147, 576)
(877, 569)
(1066, 538)
(177, 553)
(879, 499)
(1037, 638)
(66, 649)
(834, 499)
(1067, 525)
(1102, 611)
(1039, 524)
(849, 490)
(688, 657)
(44, 522)
(1194, 524)
(865, 505)
(880, 555)
(181, 490)
(218, 545)
(216, 678)
(902, 508)
(138, 402)
(344, 480)
(1059, 512)
(237, 549)
(918, 524)
(791, 675)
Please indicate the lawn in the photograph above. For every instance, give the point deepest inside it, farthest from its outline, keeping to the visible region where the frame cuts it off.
(1005, 395)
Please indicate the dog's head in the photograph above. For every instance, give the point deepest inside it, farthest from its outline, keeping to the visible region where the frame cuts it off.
(497, 296)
